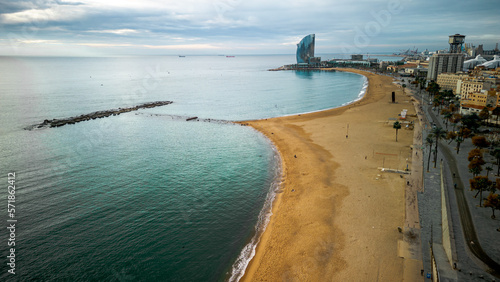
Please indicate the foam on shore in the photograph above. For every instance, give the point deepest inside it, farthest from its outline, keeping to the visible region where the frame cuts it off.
(248, 252)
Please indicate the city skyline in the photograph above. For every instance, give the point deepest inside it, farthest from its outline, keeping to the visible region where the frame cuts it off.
(92, 28)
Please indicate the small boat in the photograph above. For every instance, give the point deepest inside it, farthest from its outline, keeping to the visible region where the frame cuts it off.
(180, 56)
(229, 56)
(191, 118)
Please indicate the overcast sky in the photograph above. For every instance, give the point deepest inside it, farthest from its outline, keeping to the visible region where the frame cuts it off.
(120, 27)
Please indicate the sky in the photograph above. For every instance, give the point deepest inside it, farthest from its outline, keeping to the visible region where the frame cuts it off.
(190, 27)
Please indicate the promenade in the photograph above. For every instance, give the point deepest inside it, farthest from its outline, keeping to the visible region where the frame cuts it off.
(474, 240)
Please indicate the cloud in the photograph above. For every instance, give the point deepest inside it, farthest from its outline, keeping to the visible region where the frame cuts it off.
(184, 47)
(39, 17)
(123, 31)
(257, 26)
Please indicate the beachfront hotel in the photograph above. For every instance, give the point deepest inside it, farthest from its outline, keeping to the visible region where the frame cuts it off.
(305, 51)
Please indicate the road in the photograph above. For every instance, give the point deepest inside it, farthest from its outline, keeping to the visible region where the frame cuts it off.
(465, 217)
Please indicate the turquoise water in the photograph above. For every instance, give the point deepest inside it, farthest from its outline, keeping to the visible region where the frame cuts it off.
(146, 196)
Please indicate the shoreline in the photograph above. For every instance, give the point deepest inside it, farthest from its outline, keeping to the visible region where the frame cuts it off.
(266, 258)
(274, 191)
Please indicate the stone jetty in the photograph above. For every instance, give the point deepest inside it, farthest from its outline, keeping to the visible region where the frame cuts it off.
(100, 114)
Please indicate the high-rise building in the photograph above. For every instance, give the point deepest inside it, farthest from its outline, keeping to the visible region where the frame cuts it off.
(441, 63)
(450, 63)
(305, 49)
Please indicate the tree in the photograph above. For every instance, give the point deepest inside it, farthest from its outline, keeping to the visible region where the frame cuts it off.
(459, 140)
(496, 112)
(484, 114)
(455, 119)
(446, 113)
(397, 126)
(475, 168)
(422, 84)
(438, 133)
(429, 140)
(488, 169)
(480, 142)
(447, 116)
(450, 135)
(453, 108)
(445, 97)
(436, 103)
(433, 88)
(493, 202)
(496, 154)
(480, 183)
(465, 132)
(475, 154)
(471, 121)
(404, 86)
(476, 162)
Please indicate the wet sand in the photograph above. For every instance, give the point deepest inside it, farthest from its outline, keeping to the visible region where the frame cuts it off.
(337, 215)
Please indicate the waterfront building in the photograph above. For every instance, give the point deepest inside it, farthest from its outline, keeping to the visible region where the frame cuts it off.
(383, 65)
(305, 49)
(416, 71)
(444, 63)
(469, 85)
(479, 100)
(449, 81)
(357, 57)
(451, 62)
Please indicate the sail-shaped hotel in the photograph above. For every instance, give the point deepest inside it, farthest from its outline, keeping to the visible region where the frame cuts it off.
(305, 49)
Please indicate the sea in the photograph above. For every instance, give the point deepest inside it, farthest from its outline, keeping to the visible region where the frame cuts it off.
(145, 195)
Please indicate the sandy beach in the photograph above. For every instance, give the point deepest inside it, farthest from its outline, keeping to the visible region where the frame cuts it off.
(337, 215)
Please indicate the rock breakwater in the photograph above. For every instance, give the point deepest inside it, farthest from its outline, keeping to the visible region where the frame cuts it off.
(100, 114)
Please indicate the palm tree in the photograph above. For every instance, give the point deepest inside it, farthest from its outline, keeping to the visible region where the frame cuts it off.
(429, 140)
(459, 140)
(496, 154)
(422, 84)
(397, 126)
(455, 119)
(433, 88)
(438, 133)
(447, 116)
(496, 112)
(488, 169)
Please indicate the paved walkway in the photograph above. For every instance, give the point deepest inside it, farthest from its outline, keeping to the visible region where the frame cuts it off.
(472, 261)
(411, 241)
